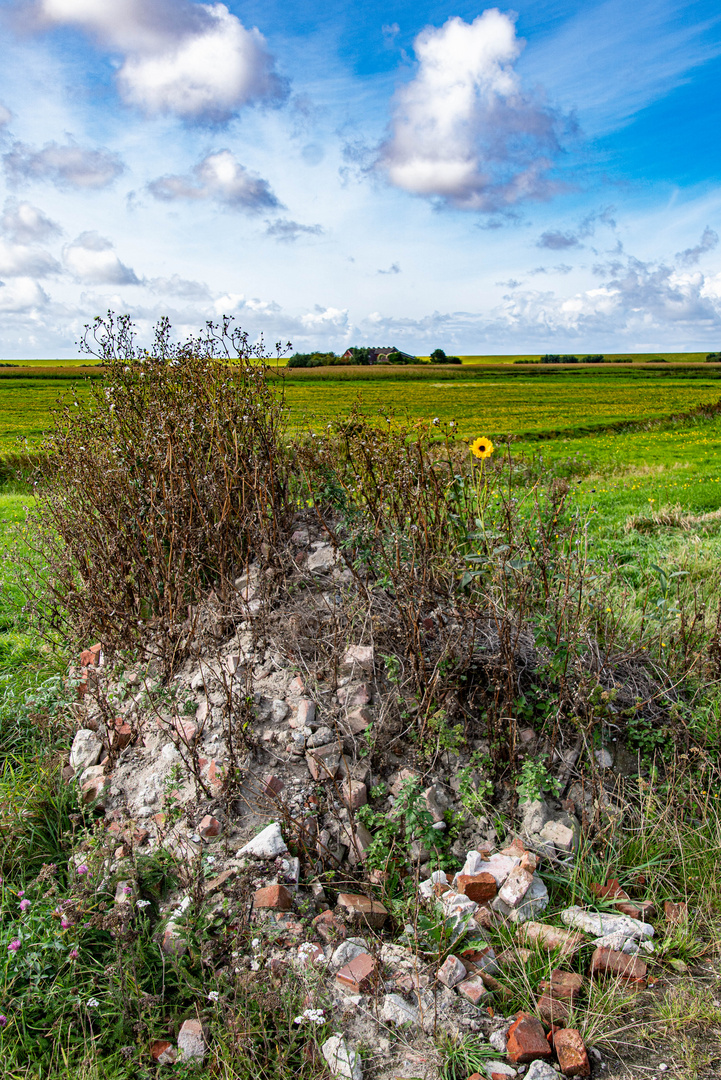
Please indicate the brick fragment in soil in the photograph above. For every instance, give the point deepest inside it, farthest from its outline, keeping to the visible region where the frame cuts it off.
(359, 976)
(526, 1041)
(571, 1052)
(609, 962)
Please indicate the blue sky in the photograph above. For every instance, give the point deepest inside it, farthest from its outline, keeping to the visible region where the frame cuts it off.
(420, 174)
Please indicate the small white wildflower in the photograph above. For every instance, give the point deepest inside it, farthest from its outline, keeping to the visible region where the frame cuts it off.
(313, 1016)
(93, 1003)
(254, 965)
(142, 903)
(213, 995)
(255, 943)
(210, 859)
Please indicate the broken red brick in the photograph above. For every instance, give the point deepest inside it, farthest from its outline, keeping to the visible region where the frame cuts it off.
(276, 897)
(209, 827)
(354, 794)
(272, 785)
(452, 971)
(363, 910)
(563, 984)
(675, 913)
(359, 975)
(526, 1041)
(609, 962)
(610, 891)
(477, 887)
(163, 1052)
(571, 1053)
(553, 937)
(328, 928)
(627, 907)
(122, 735)
(474, 989)
(552, 1010)
(529, 862)
(516, 849)
(91, 657)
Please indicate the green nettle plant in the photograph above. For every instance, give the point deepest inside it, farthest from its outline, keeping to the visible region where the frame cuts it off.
(534, 781)
(158, 487)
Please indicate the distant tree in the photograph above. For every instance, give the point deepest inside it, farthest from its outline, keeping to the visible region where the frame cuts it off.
(439, 357)
(713, 358)
(597, 359)
(359, 354)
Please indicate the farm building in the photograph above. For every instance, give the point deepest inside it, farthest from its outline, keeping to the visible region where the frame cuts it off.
(379, 355)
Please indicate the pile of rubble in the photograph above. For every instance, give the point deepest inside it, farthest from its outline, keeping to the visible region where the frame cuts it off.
(155, 762)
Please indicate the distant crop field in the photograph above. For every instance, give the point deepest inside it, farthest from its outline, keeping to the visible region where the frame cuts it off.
(505, 405)
(493, 402)
(25, 408)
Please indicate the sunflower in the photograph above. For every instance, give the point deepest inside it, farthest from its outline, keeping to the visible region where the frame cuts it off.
(482, 448)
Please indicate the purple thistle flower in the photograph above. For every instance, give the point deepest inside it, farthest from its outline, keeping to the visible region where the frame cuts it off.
(3, 1021)
(24, 905)
(64, 923)
(73, 954)
(83, 869)
(14, 945)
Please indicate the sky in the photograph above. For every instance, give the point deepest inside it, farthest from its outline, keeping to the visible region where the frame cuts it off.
(435, 174)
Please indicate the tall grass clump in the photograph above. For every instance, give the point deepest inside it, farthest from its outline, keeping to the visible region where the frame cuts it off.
(157, 487)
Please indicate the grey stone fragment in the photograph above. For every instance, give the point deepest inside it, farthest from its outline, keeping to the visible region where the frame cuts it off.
(534, 902)
(347, 951)
(535, 815)
(501, 1068)
(360, 656)
(604, 759)
(515, 887)
(322, 559)
(86, 749)
(322, 737)
(191, 1042)
(342, 1060)
(396, 1010)
(541, 1070)
(558, 834)
(498, 1040)
(279, 710)
(593, 922)
(268, 844)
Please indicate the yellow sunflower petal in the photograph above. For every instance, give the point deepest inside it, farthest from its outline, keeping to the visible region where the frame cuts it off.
(482, 448)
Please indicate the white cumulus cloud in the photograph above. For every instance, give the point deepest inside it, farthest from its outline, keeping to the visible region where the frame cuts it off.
(5, 116)
(463, 130)
(196, 61)
(221, 178)
(24, 223)
(23, 260)
(69, 166)
(22, 295)
(91, 259)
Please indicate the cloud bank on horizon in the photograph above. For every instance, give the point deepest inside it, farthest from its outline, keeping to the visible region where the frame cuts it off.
(475, 179)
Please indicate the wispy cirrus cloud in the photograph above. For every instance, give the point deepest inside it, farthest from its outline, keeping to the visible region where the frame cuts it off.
(196, 61)
(220, 178)
(286, 231)
(692, 255)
